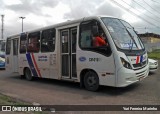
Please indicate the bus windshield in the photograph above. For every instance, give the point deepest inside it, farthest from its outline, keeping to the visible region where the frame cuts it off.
(123, 34)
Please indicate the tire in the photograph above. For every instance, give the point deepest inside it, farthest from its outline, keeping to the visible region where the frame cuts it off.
(91, 81)
(28, 74)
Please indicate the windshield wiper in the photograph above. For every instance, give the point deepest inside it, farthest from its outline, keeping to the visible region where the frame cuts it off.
(132, 37)
(130, 45)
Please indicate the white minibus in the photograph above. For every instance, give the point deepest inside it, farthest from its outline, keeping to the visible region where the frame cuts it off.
(66, 51)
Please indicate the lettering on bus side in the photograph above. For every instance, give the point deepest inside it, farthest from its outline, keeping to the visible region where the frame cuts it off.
(42, 58)
(94, 59)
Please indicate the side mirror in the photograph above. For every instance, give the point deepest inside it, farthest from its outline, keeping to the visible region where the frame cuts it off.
(95, 30)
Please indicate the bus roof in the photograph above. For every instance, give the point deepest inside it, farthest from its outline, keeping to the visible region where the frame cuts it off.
(64, 24)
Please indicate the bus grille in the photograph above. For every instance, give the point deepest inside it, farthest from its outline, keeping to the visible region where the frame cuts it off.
(141, 74)
(140, 64)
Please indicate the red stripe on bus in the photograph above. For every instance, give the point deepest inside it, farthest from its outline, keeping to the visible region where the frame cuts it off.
(34, 61)
(137, 60)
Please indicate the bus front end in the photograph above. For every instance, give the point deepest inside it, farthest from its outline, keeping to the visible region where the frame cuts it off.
(130, 56)
(132, 68)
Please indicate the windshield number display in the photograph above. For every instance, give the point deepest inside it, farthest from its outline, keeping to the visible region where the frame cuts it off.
(127, 45)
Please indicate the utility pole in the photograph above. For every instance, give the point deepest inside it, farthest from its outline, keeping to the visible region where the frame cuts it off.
(22, 21)
(2, 30)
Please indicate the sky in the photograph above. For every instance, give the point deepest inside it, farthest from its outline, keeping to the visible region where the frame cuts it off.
(143, 15)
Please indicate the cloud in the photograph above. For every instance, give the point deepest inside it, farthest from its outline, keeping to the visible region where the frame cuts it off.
(12, 30)
(40, 13)
(81, 8)
(31, 9)
(32, 6)
(107, 9)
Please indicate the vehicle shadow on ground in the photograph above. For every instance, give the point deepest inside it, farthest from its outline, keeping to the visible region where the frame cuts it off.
(70, 86)
(115, 91)
(151, 73)
(2, 69)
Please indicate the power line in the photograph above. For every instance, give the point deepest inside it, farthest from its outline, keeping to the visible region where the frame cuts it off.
(146, 27)
(140, 11)
(113, 1)
(151, 7)
(146, 9)
(155, 1)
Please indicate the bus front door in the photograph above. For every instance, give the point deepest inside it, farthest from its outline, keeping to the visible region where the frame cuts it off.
(68, 53)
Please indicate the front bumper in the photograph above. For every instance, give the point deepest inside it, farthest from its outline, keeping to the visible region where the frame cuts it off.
(153, 68)
(127, 77)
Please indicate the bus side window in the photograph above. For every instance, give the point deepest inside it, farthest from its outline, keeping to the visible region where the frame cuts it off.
(90, 32)
(8, 47)
(3, 46)
(48, 40)
(23, 43)
(85, 35)
(33, 42)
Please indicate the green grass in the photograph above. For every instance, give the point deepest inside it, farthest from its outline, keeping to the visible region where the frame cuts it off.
(6, 100)
(154, 54)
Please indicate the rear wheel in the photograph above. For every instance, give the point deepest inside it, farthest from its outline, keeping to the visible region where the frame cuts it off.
(28, 74)
(91, 81)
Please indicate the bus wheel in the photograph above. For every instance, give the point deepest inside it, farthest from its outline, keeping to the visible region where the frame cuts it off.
(91, 81)
(28, 74)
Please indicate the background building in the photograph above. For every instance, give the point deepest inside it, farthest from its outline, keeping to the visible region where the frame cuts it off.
(150, 40)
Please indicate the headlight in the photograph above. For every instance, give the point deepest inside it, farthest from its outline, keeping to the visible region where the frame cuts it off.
(155, 63)
(125, 63)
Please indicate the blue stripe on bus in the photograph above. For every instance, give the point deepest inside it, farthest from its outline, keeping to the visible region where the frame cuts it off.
(31, 65)
(141, 60)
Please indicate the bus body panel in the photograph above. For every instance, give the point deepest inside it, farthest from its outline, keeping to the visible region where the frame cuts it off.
(54, 68)
(43, 63)
(102, 65)
(23, 63)
(9, 63)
